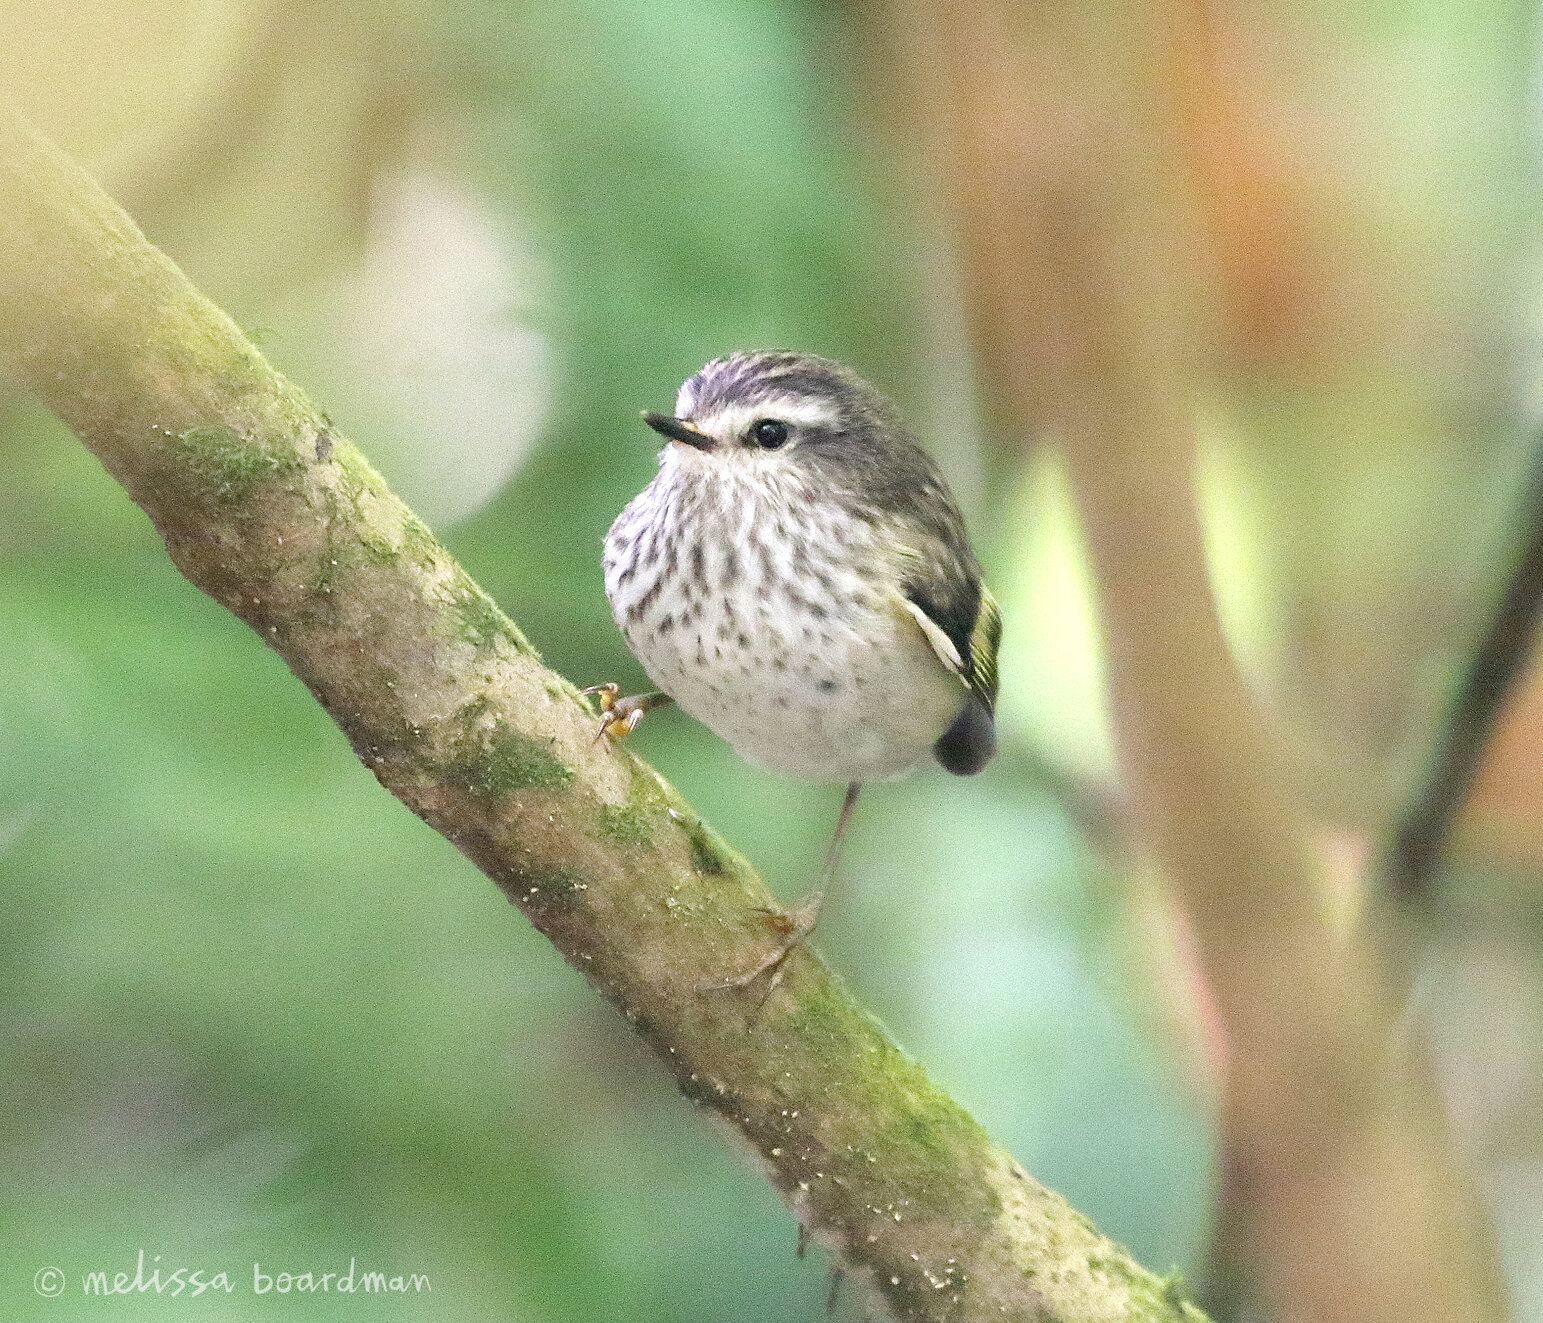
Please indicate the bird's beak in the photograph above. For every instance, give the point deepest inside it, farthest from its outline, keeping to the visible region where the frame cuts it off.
(677, 429)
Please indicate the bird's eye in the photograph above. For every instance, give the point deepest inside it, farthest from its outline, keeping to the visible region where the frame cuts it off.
(769, 433)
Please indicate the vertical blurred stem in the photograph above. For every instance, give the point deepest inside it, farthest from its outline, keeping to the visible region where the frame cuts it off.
(1059, 143)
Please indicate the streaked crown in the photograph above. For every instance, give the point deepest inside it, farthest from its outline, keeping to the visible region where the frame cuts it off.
(795, 388)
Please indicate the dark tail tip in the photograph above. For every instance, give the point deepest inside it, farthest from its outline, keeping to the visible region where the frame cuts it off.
(968, 745)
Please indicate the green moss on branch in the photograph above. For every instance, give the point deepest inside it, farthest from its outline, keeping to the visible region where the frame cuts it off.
(235, 469)
(507, 763)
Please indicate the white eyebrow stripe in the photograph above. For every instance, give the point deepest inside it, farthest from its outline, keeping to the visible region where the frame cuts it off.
(732, 419)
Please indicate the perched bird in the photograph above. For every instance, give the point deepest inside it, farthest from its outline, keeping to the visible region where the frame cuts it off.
(798, 578)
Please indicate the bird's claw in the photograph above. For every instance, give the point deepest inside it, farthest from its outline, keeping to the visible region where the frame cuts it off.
(611, 723)
(619, 717)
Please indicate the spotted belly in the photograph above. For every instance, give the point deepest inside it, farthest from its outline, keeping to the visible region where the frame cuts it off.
(808, 670)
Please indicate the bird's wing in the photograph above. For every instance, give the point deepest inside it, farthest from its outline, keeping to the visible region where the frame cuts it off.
(961, 620)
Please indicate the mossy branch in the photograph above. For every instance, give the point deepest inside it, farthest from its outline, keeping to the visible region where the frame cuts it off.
(272, 514)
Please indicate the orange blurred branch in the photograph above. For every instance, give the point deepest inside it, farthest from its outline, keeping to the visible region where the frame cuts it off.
(1085, 151)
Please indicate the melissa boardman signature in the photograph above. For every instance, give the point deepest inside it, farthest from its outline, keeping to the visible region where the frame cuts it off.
(170, 1281)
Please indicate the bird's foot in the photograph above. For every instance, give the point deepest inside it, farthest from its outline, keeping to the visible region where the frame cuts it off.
(794, 927)
(619, 717)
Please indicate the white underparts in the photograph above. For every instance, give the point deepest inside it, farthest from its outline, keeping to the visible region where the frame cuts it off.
(775, 618)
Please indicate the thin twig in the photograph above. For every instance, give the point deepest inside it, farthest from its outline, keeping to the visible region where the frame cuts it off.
(1420, 836)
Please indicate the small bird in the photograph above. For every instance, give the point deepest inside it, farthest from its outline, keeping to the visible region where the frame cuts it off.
(798, 578)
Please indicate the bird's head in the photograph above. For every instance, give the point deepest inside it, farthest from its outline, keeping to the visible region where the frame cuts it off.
(780, 410)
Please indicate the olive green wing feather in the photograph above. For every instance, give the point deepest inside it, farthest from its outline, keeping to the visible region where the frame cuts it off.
(985, 643)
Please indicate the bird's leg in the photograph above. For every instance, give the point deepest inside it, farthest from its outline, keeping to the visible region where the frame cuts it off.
(620, 716)
(799, 923)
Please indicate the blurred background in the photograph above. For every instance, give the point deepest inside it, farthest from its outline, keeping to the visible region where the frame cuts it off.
(252, 1010)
